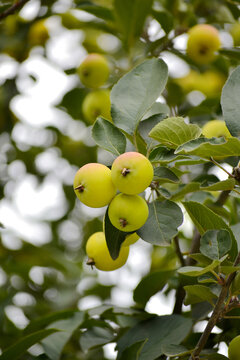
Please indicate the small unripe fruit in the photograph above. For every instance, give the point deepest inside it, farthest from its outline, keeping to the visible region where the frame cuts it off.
(128, 212)
(215, 128)
(130, 239)
(97, 103)
(235, 32)
(234, 349)
(202, 43)
(93, 185)
(38, 33)
(132, 173)
(99, 256)
(94, 71)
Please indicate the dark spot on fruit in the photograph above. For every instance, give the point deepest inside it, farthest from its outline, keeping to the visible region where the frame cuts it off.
(123, 222)
(203, 50)
(125, 171)
(86, 73)
(80, 188)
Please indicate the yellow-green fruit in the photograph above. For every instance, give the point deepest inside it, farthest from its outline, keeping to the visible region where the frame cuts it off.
(132, 173)
(97, 103)
(215, 128)
(38, 33)
(202, 43)
(94, 71)
(130, 239)
(234, 349)
(93, 185)
(235, 32)
(99, 256)
(128, 212)
(210, 82)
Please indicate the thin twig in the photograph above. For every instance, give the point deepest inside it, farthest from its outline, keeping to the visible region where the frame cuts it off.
(12, 9)
(217, 164)
(222, 198)
(178, 251)
(216, 314)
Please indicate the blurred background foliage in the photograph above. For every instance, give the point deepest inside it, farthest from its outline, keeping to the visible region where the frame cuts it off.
(45, 138)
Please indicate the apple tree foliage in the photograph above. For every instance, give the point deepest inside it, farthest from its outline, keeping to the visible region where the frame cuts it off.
(154, 113)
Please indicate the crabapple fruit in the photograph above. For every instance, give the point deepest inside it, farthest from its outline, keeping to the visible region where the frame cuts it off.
(130, 239)
(93, 185)
(215, 128)
(99, 256)
(97, 103)
(128, 212)
(234, 349)
(132, 173)
(202, 43)
(93, 71)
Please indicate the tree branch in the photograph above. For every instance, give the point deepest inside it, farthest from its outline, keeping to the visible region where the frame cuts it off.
(12, 9)
(215, 315)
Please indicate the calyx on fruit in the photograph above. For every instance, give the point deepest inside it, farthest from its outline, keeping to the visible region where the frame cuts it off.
(128, 212)
(203, 42)
(98, 254)
(132, 173)
(93, 185)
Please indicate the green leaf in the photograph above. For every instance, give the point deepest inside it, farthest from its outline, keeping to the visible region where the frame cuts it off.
(157, 108)
(150, 285)
(99, 11)
(185, 189)
(72, 102)
(159, 332)
(108, 136)
(205, 219)
(130, 18)
(165, 19)
(198, 293)
(173, 132)
(114, 237)
(198, 270)
(135, 93)
(230, 102)
(95, 336)
(162, 223)
(43, 321)
(54, 344)
(236, 231)
(220, 185)
(163, 155)
(165, 175)
(233, 53)
(21, 346)
(214, 147)
(175, 350)
(215, 243)
(146, 125)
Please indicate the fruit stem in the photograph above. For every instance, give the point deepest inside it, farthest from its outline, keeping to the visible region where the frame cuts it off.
(90, 262)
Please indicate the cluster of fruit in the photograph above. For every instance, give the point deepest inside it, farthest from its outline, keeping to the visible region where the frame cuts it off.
(96, 186)
(94, 72)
